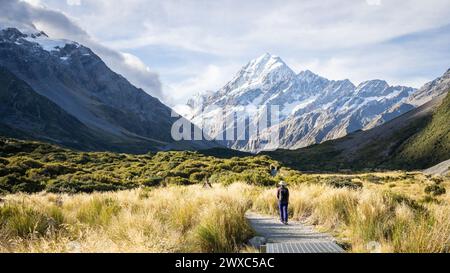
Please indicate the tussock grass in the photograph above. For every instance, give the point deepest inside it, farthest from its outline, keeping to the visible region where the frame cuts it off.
(367, 217)
(196, 219)
(170, 219)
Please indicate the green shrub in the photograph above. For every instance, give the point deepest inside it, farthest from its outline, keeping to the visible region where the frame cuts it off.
(435, 190)
(25, 163)
(15, 183)
(177, 181)
(198, 176)
(342, 182)
(55, 169)
(83, 159)
(402, 199)
(249, 176)
(4, 161)
(373, 179)
(181, 174)
(429, 199)
(152, 181)
(437, 180)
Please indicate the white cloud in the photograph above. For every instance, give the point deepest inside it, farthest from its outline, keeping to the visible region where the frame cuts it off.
(33, 2)
(73, 2)
(211, 77)
(373, 2)
(220, 27)
(334, 38)
(134, 61)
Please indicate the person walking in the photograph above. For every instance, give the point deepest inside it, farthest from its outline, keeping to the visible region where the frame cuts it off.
(283, 201)
(273, 171)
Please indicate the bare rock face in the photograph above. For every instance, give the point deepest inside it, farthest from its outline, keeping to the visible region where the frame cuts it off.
(120, 116)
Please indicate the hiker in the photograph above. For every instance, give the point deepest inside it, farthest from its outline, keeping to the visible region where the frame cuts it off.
(273, 171)
(283, 201)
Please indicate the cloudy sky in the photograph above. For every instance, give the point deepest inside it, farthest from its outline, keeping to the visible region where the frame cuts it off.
(180, 47)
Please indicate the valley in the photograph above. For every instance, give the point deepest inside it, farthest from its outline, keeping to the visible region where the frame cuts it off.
(59, 200)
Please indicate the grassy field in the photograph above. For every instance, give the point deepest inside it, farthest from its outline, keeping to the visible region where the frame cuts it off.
(197, 219)
(172, 219)
(360, 218)
(57, 200)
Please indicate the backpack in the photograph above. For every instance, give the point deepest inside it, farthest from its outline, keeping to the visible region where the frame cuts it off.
(284, 194)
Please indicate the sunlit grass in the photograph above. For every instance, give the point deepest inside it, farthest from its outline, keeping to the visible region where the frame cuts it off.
(171, 219)
(197, 219)
(372, 216)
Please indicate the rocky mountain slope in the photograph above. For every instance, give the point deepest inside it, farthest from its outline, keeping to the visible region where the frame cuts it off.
(417, 139)
(25, 113)
(442, 168)
(313, 109)
(76, 82)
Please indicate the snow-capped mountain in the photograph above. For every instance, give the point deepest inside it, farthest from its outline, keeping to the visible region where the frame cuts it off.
(103, 109)
(423, 95)
(312, 108)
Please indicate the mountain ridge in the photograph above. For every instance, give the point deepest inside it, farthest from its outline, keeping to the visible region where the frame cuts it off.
(313, 109)
(415, 140)
(79, 82)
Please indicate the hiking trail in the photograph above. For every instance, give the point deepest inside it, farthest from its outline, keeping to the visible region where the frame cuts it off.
(293, 238)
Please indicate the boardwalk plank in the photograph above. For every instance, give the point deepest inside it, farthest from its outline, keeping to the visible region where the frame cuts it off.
(293, 238)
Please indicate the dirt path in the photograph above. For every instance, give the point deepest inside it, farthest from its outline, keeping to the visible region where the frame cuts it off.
(293, 238)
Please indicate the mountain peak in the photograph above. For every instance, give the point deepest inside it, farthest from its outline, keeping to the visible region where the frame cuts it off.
(309, 76)
(20, 37)
(264, 62)
(372, 85)
(260, 68)
(372, 88)
(376, 83)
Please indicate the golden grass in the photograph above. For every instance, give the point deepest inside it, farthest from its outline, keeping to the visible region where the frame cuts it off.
(389, 214)
(374, 219)
(172, 219)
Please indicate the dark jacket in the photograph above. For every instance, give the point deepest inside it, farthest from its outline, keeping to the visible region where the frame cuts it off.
(283, 195)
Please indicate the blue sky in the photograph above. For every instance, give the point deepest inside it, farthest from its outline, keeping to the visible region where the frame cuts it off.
(199, 45)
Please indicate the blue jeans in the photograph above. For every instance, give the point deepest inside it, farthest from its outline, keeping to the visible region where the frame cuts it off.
(283, 212)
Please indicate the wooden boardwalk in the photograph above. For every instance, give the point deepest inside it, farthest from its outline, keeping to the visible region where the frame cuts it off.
(293, 238)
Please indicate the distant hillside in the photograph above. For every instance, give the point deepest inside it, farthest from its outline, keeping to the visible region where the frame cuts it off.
(416, 140)
(430, 145)
(26, 114)
(67, 95)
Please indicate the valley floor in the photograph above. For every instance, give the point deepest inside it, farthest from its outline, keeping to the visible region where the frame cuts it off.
(197, 219)
(58, 200)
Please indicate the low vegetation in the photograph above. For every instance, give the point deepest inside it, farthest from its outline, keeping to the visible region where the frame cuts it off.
(58, 200)
(367, 220)
(170, 219)
(33, 167)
